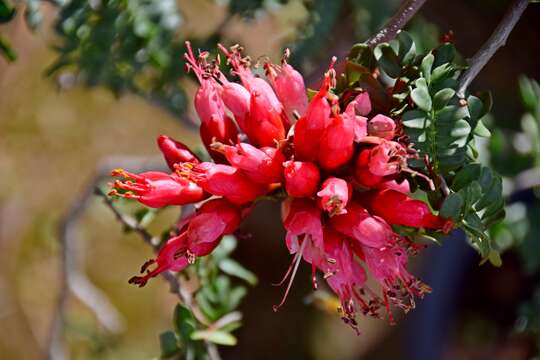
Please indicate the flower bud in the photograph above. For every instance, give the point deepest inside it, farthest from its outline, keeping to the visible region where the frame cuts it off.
(382, 126)
(238, 100)
(301, 178)
(334, 195)
(175, 152)
(289, 87)
(301, 217)
(156, 189)
(264, 126)
(337, 141)
(309, 128)
(399, 209)
(362, 175)
(363, 104)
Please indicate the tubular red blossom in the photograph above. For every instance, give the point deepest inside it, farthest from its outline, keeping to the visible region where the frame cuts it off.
(343, 274)
(223, 180)
(289, 86)
(388, 266)
(213, 219)
(362, 175)
(309, 128)
(360, 128)
(382, 126)
(387, 158)
(237, 99)
(263, 166)
(264, 125)
(399, 209)
(216, 125)
(358, 224)
(337, 141)
(301, 178)
(334, 195)
(156, 189)
(363, 104)
(175, 152)
(170, 258)
(302, 219)
(402, 187)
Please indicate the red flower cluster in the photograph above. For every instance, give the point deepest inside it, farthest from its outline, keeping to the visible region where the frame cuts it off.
(341, 169)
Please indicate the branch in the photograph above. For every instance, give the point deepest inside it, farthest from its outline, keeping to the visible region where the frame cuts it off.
(405, 13)
(496, 40)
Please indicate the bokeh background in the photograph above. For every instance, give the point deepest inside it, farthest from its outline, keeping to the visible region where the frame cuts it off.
(60, 120)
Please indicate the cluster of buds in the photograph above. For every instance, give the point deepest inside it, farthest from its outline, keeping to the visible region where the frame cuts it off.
(340, 169)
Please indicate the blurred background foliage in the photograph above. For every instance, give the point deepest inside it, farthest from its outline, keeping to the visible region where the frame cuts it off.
(84, 80)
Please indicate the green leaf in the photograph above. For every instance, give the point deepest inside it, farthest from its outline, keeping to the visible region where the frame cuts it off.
(7, 12)
(184, 322)
(495, 258)
(407, 48)
(481, 130)
(451, 207)
(426, 65)
(233, 268)
(388, 60)
(416, 119)
(420, 95)
(216, 336)
(442, 97)
(465, 176)
(6, 50)
(168, 344)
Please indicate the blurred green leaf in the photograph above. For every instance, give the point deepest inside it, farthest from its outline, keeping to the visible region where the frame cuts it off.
(6, 50)
(215, 336)
(168, 344)
(233, 268)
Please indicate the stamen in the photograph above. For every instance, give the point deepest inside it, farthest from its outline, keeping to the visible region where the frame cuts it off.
(299, 258)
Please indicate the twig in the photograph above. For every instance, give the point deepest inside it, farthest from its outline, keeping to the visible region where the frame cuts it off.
(73, 280)
(496, 40)
(405, 12)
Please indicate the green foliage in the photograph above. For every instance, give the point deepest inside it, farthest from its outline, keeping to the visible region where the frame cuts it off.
(216, 301)
(420, 89)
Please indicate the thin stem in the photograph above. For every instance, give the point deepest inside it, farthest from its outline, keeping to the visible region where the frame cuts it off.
(405, 13)
(497, 40)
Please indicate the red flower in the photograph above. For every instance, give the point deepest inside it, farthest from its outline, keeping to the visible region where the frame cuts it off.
(358, 224)
(289, 86)
(264, 165)
(264, 125)
(175, 152)
(301, 178)
(309, 128)
(171, 257)
(399, 209)
(216, 125)
(156, 189)
(237, 99)
(223, 180)
(337, 141)
(334, 195)
(387, 158)
(362, 175)
(213, 219)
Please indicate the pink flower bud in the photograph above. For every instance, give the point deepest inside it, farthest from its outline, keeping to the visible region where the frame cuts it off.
(334, 195)
(223, 180)
(360, 128)
(238, 100)
(362, 175)
(264, 165)
(301, 178)
(358, 224)
(363, 104)
(264, 126)
(175, 152)
(289, 87)
(156, 189)
(309, 128)
(397, 208)
(382, 126)
(337, 141)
